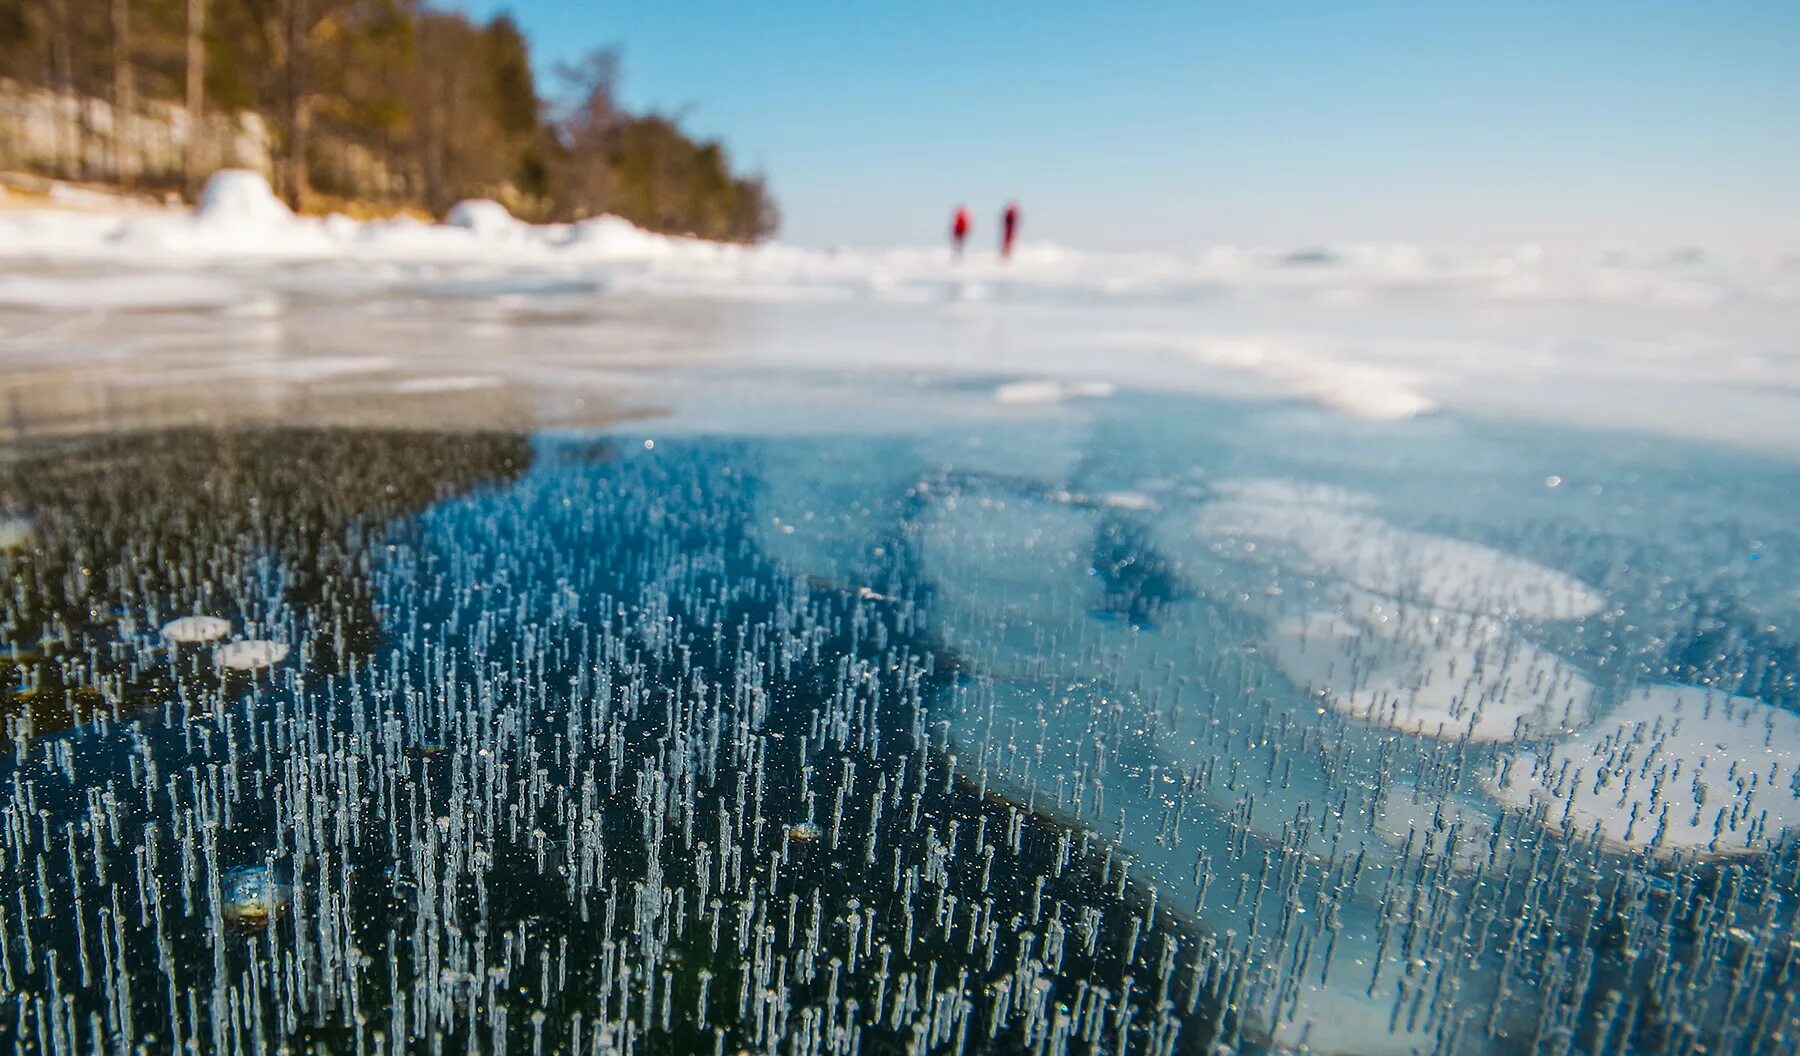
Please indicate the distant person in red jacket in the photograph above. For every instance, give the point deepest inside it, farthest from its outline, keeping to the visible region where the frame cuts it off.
(959, 229)
(1009, 229)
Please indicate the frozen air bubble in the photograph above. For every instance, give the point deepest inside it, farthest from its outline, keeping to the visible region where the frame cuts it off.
(251, 654)
(189, 629)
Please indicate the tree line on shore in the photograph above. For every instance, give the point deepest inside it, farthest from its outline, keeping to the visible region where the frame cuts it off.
(389, 102)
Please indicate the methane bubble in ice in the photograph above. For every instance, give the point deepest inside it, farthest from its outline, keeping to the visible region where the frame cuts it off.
(252, 895)
(16, 533)
(250, 654)
(188, 629)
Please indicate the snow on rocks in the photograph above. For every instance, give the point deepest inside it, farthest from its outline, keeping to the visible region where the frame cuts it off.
(240, 197)
(609, 237)
(484, 217)
(1411, 630)
(239, 218)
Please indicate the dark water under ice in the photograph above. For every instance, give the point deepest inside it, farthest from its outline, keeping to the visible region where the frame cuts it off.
(1138, 724)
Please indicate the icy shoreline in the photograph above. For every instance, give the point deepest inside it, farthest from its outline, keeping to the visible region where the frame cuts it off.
(238, 219)
(1684, 344)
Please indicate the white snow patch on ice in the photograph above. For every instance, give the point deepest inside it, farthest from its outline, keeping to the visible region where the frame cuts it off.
(1360, 389)
(1128, 500)
(448, 383)
(1046, 390)
(1672, 768)
(1361, 550)
(118, 292)
(1266, 491)
(1433, 673)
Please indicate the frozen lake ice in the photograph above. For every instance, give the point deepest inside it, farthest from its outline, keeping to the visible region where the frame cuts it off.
(803, 654)
(1136, 723)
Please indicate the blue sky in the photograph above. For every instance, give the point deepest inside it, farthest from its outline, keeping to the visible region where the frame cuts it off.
(1129, 124)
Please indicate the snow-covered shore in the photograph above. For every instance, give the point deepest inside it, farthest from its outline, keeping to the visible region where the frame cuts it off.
(239, 219)
(1688, 343)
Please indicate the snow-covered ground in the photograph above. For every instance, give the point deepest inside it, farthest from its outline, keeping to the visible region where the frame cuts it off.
(244, 293)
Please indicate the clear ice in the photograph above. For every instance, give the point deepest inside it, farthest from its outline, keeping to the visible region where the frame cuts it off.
(1124, 724)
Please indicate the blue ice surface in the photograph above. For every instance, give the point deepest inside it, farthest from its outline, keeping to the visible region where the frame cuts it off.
(1134, 605)
(1116, 669)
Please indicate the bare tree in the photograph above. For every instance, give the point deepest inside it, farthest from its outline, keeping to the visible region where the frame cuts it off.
(196, 93)
(588, 123)
(122, 95)
(62, 80)
(294, 103)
